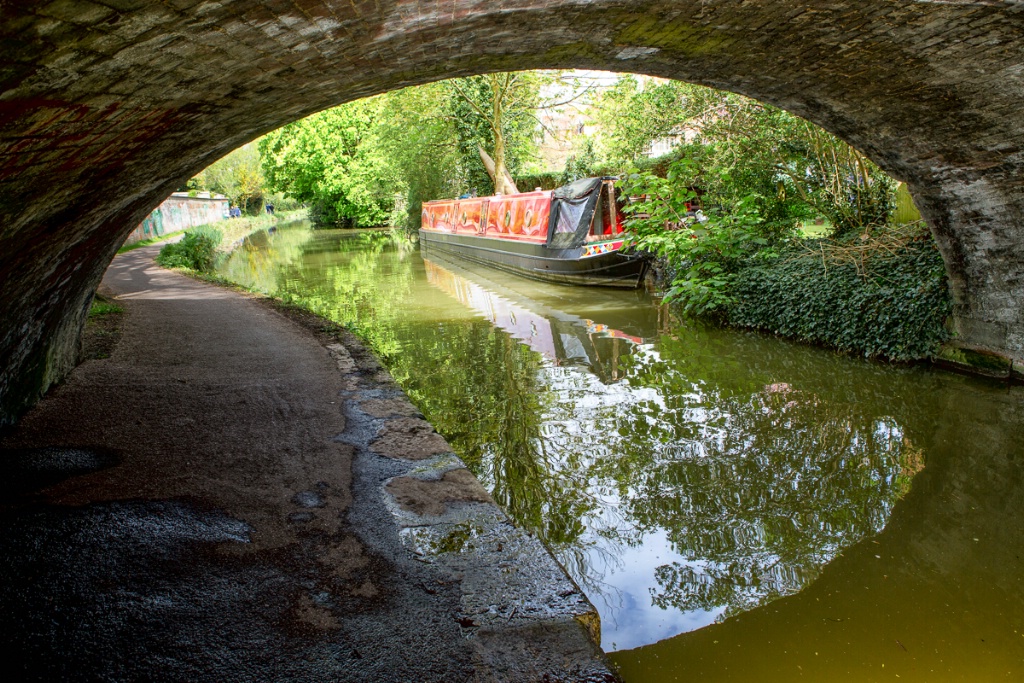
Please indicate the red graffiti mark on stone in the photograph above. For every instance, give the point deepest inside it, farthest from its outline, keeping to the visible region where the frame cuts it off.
(62, 137)
(17, 110)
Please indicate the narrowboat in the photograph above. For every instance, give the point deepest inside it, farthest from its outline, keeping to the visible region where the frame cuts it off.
(571, 235)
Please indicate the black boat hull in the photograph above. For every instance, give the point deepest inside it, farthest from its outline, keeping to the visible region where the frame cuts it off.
(538, 262)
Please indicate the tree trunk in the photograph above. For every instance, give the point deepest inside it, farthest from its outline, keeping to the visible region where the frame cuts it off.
(489, 166)
(499, 137)
(503, 182)
(488, 163)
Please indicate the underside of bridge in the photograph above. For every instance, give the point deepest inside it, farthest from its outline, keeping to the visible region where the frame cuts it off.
(108, 105)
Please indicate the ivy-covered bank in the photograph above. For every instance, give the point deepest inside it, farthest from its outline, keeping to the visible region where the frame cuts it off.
(882, 302)
(888, 302)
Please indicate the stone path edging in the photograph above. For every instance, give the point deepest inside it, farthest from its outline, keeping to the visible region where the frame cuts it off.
(512, 588)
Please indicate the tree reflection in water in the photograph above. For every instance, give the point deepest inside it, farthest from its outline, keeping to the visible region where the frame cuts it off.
(677, 469)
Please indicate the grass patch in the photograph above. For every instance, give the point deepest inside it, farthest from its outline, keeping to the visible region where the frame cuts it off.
(145, 243)
(102, 329)
(100, 308)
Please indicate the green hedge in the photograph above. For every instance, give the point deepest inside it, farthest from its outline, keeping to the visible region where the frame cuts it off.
(895, 307)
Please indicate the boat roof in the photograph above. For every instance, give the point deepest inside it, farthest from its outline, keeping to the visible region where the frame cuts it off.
(534, 193)
(573, 189)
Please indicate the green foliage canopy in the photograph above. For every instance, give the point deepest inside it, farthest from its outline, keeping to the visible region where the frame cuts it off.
(756, 172)
(335, 162)
(420, 140)
(705, 254)
(238, 176)
(745, 150)
(630, 117)
(350, 162)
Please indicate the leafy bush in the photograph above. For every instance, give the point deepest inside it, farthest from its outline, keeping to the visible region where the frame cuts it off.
(196, 250)
(854, 201)
(705, 254)
(660, 165)
(893, 304)
(324, 214)
(839, 181)
(741, 148)
(580, 164)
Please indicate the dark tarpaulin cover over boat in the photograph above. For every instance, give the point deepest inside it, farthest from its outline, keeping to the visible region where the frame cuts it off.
(572, 210)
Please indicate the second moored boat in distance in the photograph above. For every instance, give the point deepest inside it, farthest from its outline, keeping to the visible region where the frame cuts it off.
(571, 235)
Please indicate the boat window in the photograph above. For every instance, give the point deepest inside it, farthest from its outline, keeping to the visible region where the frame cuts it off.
(570, 215)
(620, 212)
(611, 215)
(602, 225)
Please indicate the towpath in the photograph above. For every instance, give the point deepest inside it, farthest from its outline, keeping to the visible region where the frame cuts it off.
(233, 497)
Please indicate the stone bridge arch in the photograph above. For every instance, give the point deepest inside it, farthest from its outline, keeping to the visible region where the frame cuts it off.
(107, 105)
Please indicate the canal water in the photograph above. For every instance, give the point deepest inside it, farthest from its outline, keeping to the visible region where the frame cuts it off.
(736, 506)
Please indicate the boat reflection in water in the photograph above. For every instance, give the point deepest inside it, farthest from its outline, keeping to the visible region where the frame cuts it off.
(562, 338)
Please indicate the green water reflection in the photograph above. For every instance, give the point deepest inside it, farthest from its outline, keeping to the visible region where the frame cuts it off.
(688, 476)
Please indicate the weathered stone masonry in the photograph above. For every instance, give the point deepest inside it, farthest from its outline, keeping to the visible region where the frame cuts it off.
(122, 98)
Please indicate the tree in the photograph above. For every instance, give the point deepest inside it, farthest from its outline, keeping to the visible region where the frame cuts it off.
(745, 150)
(494, 117)
(334, 161)
(755, 171)
(238, 176)
(581, 163)
(631, 115)
(419, 138)
(795, 168)
(844, 185)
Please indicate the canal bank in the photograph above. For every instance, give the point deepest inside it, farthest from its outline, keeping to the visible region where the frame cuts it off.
(229, 496)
